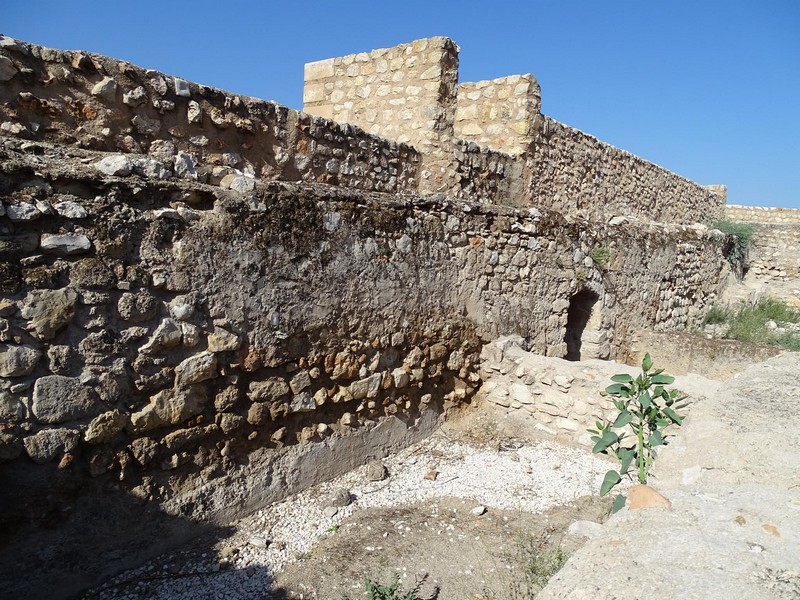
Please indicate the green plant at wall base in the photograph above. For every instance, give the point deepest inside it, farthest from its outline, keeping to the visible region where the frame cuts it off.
(741, 235)
(646, 407)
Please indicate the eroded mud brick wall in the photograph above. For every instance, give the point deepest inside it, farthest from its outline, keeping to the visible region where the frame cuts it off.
(775, 246)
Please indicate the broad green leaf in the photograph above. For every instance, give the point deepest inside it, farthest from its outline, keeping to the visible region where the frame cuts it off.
(619, 504)
(617, 389)
(622, 378)
(661, 423)
(645, 400)
(609, 437)
(662, 379)
(676, 418)
(623, 419)
(647, 362)
(626, 456)
(611, 479)
(655, 438)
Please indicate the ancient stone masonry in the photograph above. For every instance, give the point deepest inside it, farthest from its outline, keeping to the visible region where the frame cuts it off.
(495, 133)
(775, 250)
(208, 301)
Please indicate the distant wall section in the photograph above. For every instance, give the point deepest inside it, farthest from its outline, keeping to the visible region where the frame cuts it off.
(775, 248)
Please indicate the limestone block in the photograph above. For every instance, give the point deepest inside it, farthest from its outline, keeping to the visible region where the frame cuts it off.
(400, 378)
(269, 390)
(521, 393)
(170, 407)
(222, 340)
(47, 445)
(12, 408)
(567, 424)
(167, 335)
(195, 369)
(7, 69)
(106, 89)
(16, 361)
(258, 414)
(302, 402)
(187, 437)
(320, 69)
(105, 426)
(48, 311)
(300, 381)
(57, 399)
(366, 388)
(137, 307)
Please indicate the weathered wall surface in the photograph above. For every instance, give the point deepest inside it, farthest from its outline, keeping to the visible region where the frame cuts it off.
(577, 173)
(501, 114)
(775, 248)
(91, 101)
(144, 317)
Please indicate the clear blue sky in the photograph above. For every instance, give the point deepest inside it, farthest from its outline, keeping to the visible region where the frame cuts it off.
(708, 89)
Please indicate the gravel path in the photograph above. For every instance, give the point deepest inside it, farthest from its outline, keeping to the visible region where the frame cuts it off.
(531, 478)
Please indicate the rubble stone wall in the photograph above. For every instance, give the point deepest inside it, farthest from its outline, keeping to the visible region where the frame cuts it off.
(559, 167)
(162, 323)
(576, 173)
(77, 98)
(762, 215)
(775, 247)
(500, 114)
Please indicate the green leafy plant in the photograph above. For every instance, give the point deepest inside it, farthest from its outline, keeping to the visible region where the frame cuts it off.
(645, 407)
(738, 239)
(717, 315)
(390, 591)
(601, 257)
(748, 322)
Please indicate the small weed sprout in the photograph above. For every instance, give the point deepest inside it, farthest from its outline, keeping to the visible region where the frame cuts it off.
(601, 257)
(647, 408)
(391, 591)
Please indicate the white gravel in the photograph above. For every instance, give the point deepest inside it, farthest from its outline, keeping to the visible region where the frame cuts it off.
(531, 478)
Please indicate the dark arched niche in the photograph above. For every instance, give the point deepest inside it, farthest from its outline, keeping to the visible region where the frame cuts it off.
(578, 314)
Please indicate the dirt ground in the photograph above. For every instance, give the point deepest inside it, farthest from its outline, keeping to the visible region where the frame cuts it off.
(440, 548)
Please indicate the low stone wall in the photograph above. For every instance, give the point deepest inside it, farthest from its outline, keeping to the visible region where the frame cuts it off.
(774, 253)
(576, 173)
(762, 215)
(500, 114)
(91, 101)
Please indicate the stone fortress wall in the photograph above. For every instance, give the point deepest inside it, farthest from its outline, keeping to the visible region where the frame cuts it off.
(556, 165)
(775, 249)
(204, 293)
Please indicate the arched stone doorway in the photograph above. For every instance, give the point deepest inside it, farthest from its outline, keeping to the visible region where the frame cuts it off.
(580, 317)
